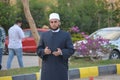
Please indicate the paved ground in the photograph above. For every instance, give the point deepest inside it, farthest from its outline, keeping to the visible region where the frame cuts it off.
(33, 61)
(28, 61)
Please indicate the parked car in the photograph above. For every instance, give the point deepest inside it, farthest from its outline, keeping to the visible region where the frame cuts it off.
(28, 43)
(112, 34)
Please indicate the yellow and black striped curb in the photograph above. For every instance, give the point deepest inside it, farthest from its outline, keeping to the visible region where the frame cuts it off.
(84, 72)
(94, 71)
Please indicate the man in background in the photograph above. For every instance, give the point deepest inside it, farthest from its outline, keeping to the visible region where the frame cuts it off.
(2, 40)
(15, 34)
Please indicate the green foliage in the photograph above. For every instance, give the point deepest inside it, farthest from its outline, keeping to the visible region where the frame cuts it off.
(75, 33)
(88, 15)
(38, 9)
(74, 14)
(38, 12)
(7, 15)
(76, 37)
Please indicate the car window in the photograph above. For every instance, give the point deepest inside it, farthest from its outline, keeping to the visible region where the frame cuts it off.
(27, 33)
(107, 34)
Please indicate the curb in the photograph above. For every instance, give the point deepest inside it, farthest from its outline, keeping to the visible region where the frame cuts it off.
(84, 72)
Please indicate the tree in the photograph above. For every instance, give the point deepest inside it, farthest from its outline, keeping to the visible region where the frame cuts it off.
(39, 13)
(88, 15)
(31, 22)
(84, 15)
(8, 14)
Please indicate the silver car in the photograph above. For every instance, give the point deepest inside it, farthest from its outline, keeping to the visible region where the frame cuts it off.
(113, 35)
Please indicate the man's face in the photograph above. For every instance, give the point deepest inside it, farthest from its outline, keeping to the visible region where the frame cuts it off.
(54, 24)
(20, 24)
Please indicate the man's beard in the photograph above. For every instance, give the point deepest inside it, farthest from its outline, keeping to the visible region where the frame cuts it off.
(54, 29)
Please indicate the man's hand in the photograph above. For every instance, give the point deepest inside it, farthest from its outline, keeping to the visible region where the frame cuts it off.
(47, 50)
(58, 52)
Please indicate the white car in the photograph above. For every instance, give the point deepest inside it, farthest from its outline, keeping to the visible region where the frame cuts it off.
(110, 33)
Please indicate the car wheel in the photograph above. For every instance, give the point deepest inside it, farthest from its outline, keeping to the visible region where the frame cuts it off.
(114, 55)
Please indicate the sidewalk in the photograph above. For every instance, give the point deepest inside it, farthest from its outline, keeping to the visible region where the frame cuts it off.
(28, 61)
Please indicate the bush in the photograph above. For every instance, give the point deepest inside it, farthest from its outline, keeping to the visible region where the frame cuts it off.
(76, 37)
(94, 47)
(75, 33)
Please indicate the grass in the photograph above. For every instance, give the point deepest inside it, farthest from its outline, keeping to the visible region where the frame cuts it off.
(85, 62)
(17, 71)
(74, 63)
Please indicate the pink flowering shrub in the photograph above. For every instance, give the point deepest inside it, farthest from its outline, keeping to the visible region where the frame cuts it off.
(93, 47)
(74, 29)
(75, 33)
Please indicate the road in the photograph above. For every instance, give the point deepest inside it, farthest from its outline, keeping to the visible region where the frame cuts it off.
(33, 61)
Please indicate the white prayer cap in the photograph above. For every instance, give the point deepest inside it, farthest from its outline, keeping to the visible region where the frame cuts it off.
(54, 16)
